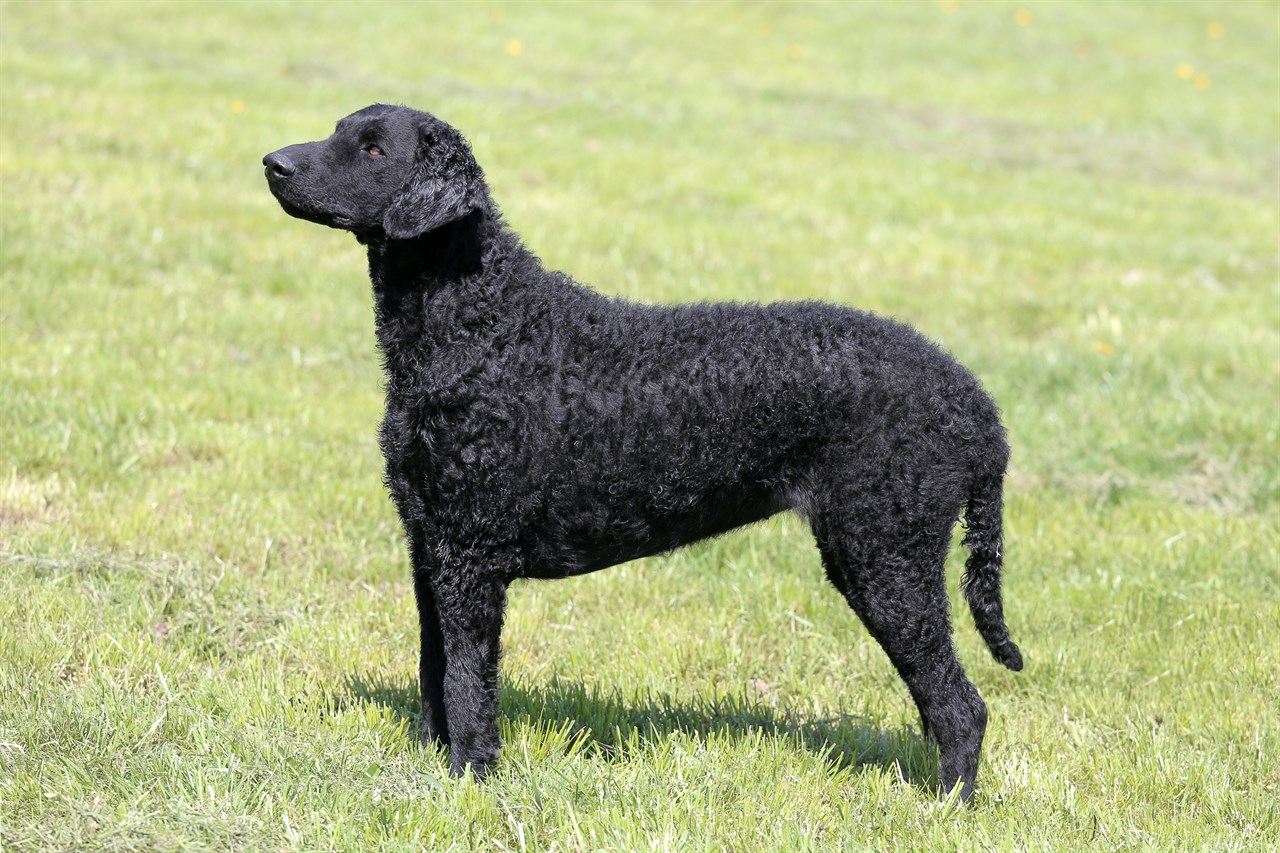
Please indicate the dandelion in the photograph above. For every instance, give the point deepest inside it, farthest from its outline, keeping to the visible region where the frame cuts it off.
(1023, 18)
(948, 6)
(1185, 71)
(793, 51)
(1103, 347)
(1202, 81)
(515, 47)
(237, 106)
(1215, 30)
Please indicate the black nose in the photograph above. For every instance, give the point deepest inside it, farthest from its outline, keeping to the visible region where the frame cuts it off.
(278, 165)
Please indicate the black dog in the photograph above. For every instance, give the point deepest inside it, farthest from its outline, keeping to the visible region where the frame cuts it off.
(536, 429)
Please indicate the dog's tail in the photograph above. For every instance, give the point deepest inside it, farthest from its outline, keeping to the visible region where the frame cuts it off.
(985, 538)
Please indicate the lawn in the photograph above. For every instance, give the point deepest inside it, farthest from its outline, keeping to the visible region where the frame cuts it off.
(207, 634)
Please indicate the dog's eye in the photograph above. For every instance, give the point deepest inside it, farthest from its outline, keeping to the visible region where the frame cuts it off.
(374, 151)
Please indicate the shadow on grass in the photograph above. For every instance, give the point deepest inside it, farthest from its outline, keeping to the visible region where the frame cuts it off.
(610, 721)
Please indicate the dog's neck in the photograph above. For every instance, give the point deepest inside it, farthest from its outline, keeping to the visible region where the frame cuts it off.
(430, 261)
(440, 286)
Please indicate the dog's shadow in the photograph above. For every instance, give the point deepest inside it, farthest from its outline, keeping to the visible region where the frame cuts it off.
(609, 723)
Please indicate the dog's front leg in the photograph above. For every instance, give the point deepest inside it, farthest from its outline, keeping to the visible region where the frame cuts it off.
(431, 666)
(469, 611)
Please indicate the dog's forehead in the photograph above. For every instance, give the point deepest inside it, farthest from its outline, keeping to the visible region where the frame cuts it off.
(359, 120)
(380, 115)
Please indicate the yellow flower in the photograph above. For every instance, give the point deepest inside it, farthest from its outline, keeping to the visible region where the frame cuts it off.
(1202, 81)
(948, 6)
(793, 51)
(237, 106)
(515, 47)
(1023, 17)
(1103, 347)
(1185, 71)
(1215, 30)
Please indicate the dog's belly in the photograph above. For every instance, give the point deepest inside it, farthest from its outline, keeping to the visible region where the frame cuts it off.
(611, 534)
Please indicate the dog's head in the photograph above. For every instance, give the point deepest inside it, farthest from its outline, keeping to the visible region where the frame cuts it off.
(385, 172)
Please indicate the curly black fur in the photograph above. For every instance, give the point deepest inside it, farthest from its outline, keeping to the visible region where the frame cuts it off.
(536, 429)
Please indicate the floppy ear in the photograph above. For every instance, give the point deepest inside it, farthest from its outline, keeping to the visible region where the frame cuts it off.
(445, 186)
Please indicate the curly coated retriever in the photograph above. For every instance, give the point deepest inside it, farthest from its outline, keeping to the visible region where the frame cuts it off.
(536, 429)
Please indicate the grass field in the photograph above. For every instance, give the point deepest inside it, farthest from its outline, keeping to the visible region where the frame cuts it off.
(207, 635)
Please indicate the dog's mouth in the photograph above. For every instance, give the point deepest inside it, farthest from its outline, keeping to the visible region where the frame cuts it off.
(332, 218)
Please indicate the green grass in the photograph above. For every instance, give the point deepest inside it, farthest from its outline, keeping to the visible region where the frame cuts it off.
(207, 636)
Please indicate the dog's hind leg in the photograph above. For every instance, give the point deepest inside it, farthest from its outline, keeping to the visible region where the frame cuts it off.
(890, 570)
